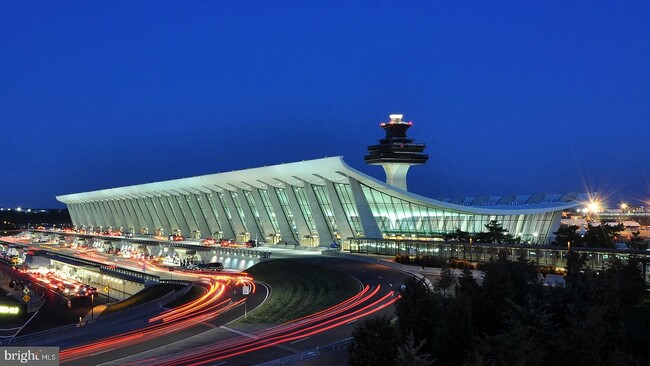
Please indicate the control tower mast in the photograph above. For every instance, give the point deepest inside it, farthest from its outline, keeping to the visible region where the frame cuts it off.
(396, 153)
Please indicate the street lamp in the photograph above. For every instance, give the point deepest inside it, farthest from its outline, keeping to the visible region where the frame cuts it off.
(92, 307)
(470, 248)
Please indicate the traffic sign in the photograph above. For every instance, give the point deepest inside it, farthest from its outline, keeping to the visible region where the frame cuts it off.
(26, 291)
(105, 288)
(246, 290)
(26, 298)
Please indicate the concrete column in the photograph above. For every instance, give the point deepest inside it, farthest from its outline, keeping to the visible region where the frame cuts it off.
(95, 214)
(345, 230)
(250, 217)
(130, 222)
(74, 214)
(98, 216)
(165, 211)
(199, 212)
(237, 224)
(265, 220)
(120, 220)
(185, 228)
(224, 222)
(288, 235)
(210, 214)
(146, 213)
(155, 215)
(108, 214)
(87, 215)
(325, 237)
(368, 222)
(136, 215)
(298, 217)
(188, 213)
(91, 214)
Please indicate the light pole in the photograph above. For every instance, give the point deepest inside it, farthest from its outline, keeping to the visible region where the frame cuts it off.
(92, 307)
(470, 248)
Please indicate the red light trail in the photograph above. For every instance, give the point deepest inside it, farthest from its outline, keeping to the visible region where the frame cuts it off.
(363, 304)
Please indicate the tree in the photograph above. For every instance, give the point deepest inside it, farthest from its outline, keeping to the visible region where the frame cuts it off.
(637, 242)
(374, 342)
(524, 339)
(417, 311)
(628, 280)
(567, 234)
(575, 264)
(456, 335)
(504, 281)
(495, 234)
(602, 236)
(458, 235)
(467, 285)
(447, 279)
(410, 354)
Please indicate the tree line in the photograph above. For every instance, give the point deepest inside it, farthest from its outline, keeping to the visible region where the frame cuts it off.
(595, 236)
(511, 318)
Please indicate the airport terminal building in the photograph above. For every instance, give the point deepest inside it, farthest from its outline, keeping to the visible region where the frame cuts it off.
(314, 203)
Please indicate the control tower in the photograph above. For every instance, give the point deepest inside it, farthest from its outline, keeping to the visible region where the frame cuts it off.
(396, 153)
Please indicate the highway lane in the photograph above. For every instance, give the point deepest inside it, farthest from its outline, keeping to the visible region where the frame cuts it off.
(368, 273)
(238, 349)
(139, 341)
(222, 345)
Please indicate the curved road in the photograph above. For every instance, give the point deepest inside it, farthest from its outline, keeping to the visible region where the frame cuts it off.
(211, 342)
(200, 335)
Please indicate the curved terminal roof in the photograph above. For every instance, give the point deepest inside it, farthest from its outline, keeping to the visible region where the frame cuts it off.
(335, 170)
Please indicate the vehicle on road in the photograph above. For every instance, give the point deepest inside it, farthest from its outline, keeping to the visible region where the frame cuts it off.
(209, 241)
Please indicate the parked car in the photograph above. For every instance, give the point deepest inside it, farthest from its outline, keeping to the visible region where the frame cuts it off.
(214, 266)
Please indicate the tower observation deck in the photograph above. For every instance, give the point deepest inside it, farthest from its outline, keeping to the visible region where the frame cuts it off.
(397, 152)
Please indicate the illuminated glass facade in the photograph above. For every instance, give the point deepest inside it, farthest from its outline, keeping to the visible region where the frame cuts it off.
(307, 203)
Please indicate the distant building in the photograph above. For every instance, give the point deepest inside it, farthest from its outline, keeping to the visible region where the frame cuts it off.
(314, 203)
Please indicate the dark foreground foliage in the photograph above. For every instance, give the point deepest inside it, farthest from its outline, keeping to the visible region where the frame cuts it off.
(597, 318)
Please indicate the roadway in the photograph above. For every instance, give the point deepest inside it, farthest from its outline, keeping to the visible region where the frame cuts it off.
(206, 337)
(216, 341)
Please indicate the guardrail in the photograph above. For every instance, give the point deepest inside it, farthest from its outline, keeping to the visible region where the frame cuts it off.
(244, 252)
(315, 352)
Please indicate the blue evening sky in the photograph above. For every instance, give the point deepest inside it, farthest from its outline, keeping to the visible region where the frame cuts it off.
(510, 96)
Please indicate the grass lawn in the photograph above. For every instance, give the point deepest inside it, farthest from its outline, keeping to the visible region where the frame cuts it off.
(298, 289)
